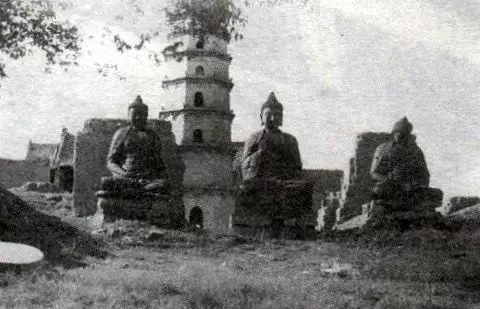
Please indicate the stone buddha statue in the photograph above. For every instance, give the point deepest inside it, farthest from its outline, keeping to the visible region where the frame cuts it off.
(272, 193)
(271, 153)
(134, 157)
(400, 171)
(139, 188)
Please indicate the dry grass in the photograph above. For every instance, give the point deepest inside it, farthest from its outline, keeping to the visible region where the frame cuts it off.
(228, 272)
(191, 269)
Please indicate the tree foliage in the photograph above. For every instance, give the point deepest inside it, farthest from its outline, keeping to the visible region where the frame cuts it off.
(28, 24)
(31, 24)
(197, 18)
(202, 18)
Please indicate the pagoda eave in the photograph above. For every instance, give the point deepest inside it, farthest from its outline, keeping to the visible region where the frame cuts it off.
(198, 80)
(193, 53)
(225, 114)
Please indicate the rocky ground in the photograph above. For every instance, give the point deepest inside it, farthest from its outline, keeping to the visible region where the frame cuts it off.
(149, 267)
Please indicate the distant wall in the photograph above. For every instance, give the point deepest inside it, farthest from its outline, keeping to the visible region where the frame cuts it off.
(14, 173)
(324, 180)
(37, 152)
(90, 159)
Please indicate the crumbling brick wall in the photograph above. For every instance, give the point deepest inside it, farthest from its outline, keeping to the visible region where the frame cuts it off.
(326, 184)
(14, 173)
(358, 184)
(457, 203)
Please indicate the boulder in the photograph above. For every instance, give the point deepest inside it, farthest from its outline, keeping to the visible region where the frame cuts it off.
(467, 215)
(59, 241)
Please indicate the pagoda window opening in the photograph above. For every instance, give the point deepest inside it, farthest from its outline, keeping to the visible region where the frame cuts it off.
(200, 44)
(198, 99)
(199, 71)
(196, 217)
(198, 136)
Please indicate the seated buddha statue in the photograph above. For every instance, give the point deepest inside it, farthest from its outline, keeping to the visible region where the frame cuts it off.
(134, 158)
(272, 189)
(402, 196)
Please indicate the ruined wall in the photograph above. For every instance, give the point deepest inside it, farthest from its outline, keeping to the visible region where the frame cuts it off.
(325, 180)
(63, 155)
(14, 173)
(90, 156)
(326, 183)
(40, 151)
(358, 184)
(457, 203)
(327, 217)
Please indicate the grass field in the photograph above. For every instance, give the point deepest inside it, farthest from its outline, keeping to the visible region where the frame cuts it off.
(191, 269)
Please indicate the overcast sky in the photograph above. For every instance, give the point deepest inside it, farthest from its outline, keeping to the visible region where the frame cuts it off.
(339, 68)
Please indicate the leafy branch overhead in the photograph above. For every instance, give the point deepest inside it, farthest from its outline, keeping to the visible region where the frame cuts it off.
(23, 26)
(201, 18)
(29, 24)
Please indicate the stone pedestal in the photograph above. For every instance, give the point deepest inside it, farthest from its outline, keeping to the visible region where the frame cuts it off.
(404, 214)
(272, 205)
(163, 210)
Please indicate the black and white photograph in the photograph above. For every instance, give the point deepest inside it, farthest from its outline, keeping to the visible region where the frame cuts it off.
(240, 154)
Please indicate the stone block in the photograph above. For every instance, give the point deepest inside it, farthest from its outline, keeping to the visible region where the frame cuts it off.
(390, 216)
(260, 204)
(164, 211)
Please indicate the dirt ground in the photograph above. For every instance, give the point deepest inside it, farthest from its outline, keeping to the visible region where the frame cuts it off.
(153, 268)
